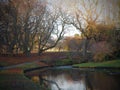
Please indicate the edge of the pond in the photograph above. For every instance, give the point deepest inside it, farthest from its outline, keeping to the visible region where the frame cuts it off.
(71, 66)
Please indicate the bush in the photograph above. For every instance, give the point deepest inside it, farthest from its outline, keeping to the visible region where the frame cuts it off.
(101, 50)
(98, 57)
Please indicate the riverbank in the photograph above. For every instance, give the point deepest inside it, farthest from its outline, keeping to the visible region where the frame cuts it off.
(14, 79)
(13, 67)
(12, 72)
(106, 64)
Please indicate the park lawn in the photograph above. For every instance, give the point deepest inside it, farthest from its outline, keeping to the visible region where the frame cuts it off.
(106, 64)
(13, 60)
(26, 66)
(14, 79)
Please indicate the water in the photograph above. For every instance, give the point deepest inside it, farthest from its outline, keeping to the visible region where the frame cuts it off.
(76, 79)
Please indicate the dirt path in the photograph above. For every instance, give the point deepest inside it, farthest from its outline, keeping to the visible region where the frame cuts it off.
(11, 62)
(41, 64)
(8, 62)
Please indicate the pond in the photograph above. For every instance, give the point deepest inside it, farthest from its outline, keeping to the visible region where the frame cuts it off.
(76, 79)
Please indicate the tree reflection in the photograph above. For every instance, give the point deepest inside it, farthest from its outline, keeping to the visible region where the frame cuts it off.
(88, 82)
(45, 82)
(77, 80)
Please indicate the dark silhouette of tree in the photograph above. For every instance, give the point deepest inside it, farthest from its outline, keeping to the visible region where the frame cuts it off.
(25, 22)
(50, 34)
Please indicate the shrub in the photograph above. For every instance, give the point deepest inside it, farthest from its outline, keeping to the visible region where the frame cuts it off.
(98, 57)
(101, 50)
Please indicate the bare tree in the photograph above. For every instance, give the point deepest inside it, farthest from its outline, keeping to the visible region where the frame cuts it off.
(9, 30)
(85, 18)
(34, 23)
(31, 18)
(51, 31)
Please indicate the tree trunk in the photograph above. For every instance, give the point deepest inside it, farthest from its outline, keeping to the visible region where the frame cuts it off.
(85, 47)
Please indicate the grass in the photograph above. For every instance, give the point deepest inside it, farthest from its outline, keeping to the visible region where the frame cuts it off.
(13, 78)
(16, 81)
(63, 62)
(28, 66)
(111, 64)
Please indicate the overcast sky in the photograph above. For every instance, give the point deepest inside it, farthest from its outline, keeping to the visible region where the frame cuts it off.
(108, 8)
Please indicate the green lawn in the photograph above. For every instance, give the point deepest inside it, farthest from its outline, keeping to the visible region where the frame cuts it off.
(111, 64)
(16, 82)
(28, 66)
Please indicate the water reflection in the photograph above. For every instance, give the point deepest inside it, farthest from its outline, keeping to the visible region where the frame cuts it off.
(66, 83)
(76, 79)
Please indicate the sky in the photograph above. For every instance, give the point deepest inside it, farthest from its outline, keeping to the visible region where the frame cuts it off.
(71, 32)
(106, 8)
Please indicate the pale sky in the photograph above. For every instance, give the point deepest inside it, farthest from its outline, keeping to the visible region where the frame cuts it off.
(72, 31)
(109, 10)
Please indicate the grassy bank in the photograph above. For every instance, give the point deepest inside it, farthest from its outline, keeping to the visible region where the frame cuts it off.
(14, 78)
(15, 81)
(107, 64)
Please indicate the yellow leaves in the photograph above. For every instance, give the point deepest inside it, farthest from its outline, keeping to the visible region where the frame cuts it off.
(35, 79)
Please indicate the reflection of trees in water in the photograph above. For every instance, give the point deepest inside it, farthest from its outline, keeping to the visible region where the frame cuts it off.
(70, 76)
(101, 81)
(91, 80)
(88, 82)
(75, 75)
(45, 82)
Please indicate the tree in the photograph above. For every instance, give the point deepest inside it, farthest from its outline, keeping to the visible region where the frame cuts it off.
(19, 25)
(8, 25)
(24, 27)
(31, 19)
(85, 19)
(50, 34)
(73, 43)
